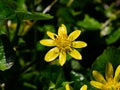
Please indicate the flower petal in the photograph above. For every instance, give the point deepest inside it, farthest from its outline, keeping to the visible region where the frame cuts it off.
(62, 30)
(79, 44)
(47, 42)
(67, 87)
(62, 58)
(97, 84)
(75, 54)
(117, 74)
(51, 35)
(74, 35)
(84, 87)
(109, 71)
(98, 77)
(52, 54)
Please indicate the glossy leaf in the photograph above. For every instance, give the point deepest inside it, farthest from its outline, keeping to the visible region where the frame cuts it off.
(32, 16)
(7, 9)
(7, 55)
(2, 58)
(89, 23)
(111, 54)
(113, 37)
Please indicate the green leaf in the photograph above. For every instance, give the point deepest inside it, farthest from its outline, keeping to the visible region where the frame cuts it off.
(111, 54)
(21, 5)
(7, 9)
(32, 16)
(2, 58)
(113, 37)
(89, 23)
(75, 65)
(31, 86)
(61, 88)
(51, 85)
(67, 82)
(6, 54)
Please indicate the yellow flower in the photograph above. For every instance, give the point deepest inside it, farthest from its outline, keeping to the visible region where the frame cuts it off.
(84, 87)
(110, 82)
(63, 44)
(68, 87)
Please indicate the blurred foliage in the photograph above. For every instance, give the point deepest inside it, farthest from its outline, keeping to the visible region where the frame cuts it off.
(24, 22)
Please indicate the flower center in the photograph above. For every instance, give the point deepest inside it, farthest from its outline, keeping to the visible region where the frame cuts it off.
(63, 42)
(112, 85)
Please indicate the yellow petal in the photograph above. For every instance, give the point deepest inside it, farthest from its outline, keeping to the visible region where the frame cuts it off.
(74, 35)
(62, 30)
(84, 87)
(79, 44)
(67, 87)
(98, 77)
(75, 54)
(62, 58)
(97, 84)
(109, 71)
(51, 35)
(52, 54)
(47, 42)
(117, 74)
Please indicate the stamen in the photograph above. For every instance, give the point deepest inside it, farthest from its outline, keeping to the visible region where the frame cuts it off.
(63, 43)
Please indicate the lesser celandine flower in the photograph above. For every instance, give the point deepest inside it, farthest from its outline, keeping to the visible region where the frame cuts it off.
(110, 82)
(84, 87)
(63, 44)
(68, 87)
